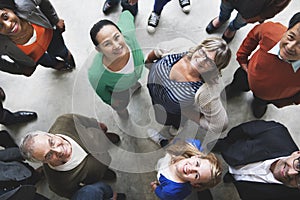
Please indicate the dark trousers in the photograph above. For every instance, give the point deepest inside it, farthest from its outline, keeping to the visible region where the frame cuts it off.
(240, 84)
(6, 117)
(96, 191)
(159, 5)
(56, 48)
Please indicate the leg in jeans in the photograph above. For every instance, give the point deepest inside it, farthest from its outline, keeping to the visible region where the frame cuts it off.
(57, 48)
(237, 23)
(159, 5)
(225, 11)
(96, 191)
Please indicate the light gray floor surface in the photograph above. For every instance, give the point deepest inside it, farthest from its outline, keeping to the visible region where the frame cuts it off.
(51, 93)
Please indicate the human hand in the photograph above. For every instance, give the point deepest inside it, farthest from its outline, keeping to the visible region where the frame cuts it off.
(154, 185)
(61, 25)
(132, 2)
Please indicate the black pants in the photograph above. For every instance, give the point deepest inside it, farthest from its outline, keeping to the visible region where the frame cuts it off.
(240, 84)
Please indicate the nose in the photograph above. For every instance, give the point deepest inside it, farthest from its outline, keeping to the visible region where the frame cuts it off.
(116, 44)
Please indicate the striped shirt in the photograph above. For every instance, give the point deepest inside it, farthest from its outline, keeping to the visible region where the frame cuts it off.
(172, 95)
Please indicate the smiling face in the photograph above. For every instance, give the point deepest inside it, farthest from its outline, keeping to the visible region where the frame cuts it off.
(203, 60)
(10, 23)
(284, 171)
(111, 42)
(194, 170)
(290, 44)
(51, 149)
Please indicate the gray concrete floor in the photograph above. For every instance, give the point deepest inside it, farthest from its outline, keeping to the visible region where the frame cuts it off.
(52, 93)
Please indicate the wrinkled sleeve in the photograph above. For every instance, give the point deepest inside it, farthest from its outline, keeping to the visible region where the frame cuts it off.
(249, 45)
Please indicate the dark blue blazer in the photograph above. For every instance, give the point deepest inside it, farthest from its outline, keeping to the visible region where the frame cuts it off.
(258, 141)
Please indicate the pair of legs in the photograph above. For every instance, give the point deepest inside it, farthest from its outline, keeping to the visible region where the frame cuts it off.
(171, 121)
(225, 12)
(120, 100)
(240, 84)
(154, 17)
(57, 49)
(109, 6)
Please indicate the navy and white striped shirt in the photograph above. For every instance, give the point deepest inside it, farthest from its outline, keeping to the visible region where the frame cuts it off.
(172, 95)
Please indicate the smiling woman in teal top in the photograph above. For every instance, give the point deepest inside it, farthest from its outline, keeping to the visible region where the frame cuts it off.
(119, 62)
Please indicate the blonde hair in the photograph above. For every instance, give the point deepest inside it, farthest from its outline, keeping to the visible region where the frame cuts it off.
(182, 150)
(222, 57)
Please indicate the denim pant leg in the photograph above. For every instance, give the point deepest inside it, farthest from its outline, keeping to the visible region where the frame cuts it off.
(159, 5)
(237, 23)
(225, 11)
(96, 191)
(56, 48)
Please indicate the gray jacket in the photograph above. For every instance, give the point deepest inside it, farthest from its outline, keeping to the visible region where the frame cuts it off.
(39, 12)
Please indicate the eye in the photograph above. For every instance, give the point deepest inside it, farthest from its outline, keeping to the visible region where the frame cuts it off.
(5, 16)
(290, 37)
(49, 155)
(117, 37)
(51, 142)
(197, 176)
(106, 44)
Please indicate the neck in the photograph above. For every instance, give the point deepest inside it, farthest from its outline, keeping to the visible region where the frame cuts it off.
(183, 71)
(116, 64)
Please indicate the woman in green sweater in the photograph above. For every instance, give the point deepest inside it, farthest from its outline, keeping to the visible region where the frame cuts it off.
(119, 62)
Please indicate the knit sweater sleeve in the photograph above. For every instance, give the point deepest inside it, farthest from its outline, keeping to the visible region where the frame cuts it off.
(214, 118)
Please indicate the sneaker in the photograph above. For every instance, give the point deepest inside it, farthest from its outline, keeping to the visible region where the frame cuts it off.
(185, 5)
(155, 136)
(153, 22)
(173, 131)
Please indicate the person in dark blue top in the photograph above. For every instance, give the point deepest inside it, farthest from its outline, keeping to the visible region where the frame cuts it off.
(183, 168)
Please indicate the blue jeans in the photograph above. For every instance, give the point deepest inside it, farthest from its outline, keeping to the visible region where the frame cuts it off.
(56, 48)
(96, 191)
(159, 5)
(225, 13)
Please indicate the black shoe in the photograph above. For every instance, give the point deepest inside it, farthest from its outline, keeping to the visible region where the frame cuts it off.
(108, 7)
(22, 117)
(228, 39)
(109, 175)
(114, 138)
(70, 62)
(121, 196)
(133, 9)
(210, 28)
(258, 109)
(153, 21)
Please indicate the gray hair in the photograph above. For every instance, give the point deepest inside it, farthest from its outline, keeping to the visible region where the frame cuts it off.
(27, 145)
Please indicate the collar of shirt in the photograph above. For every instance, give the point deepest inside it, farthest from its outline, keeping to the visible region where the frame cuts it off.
(255, 172)
(275, 51)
